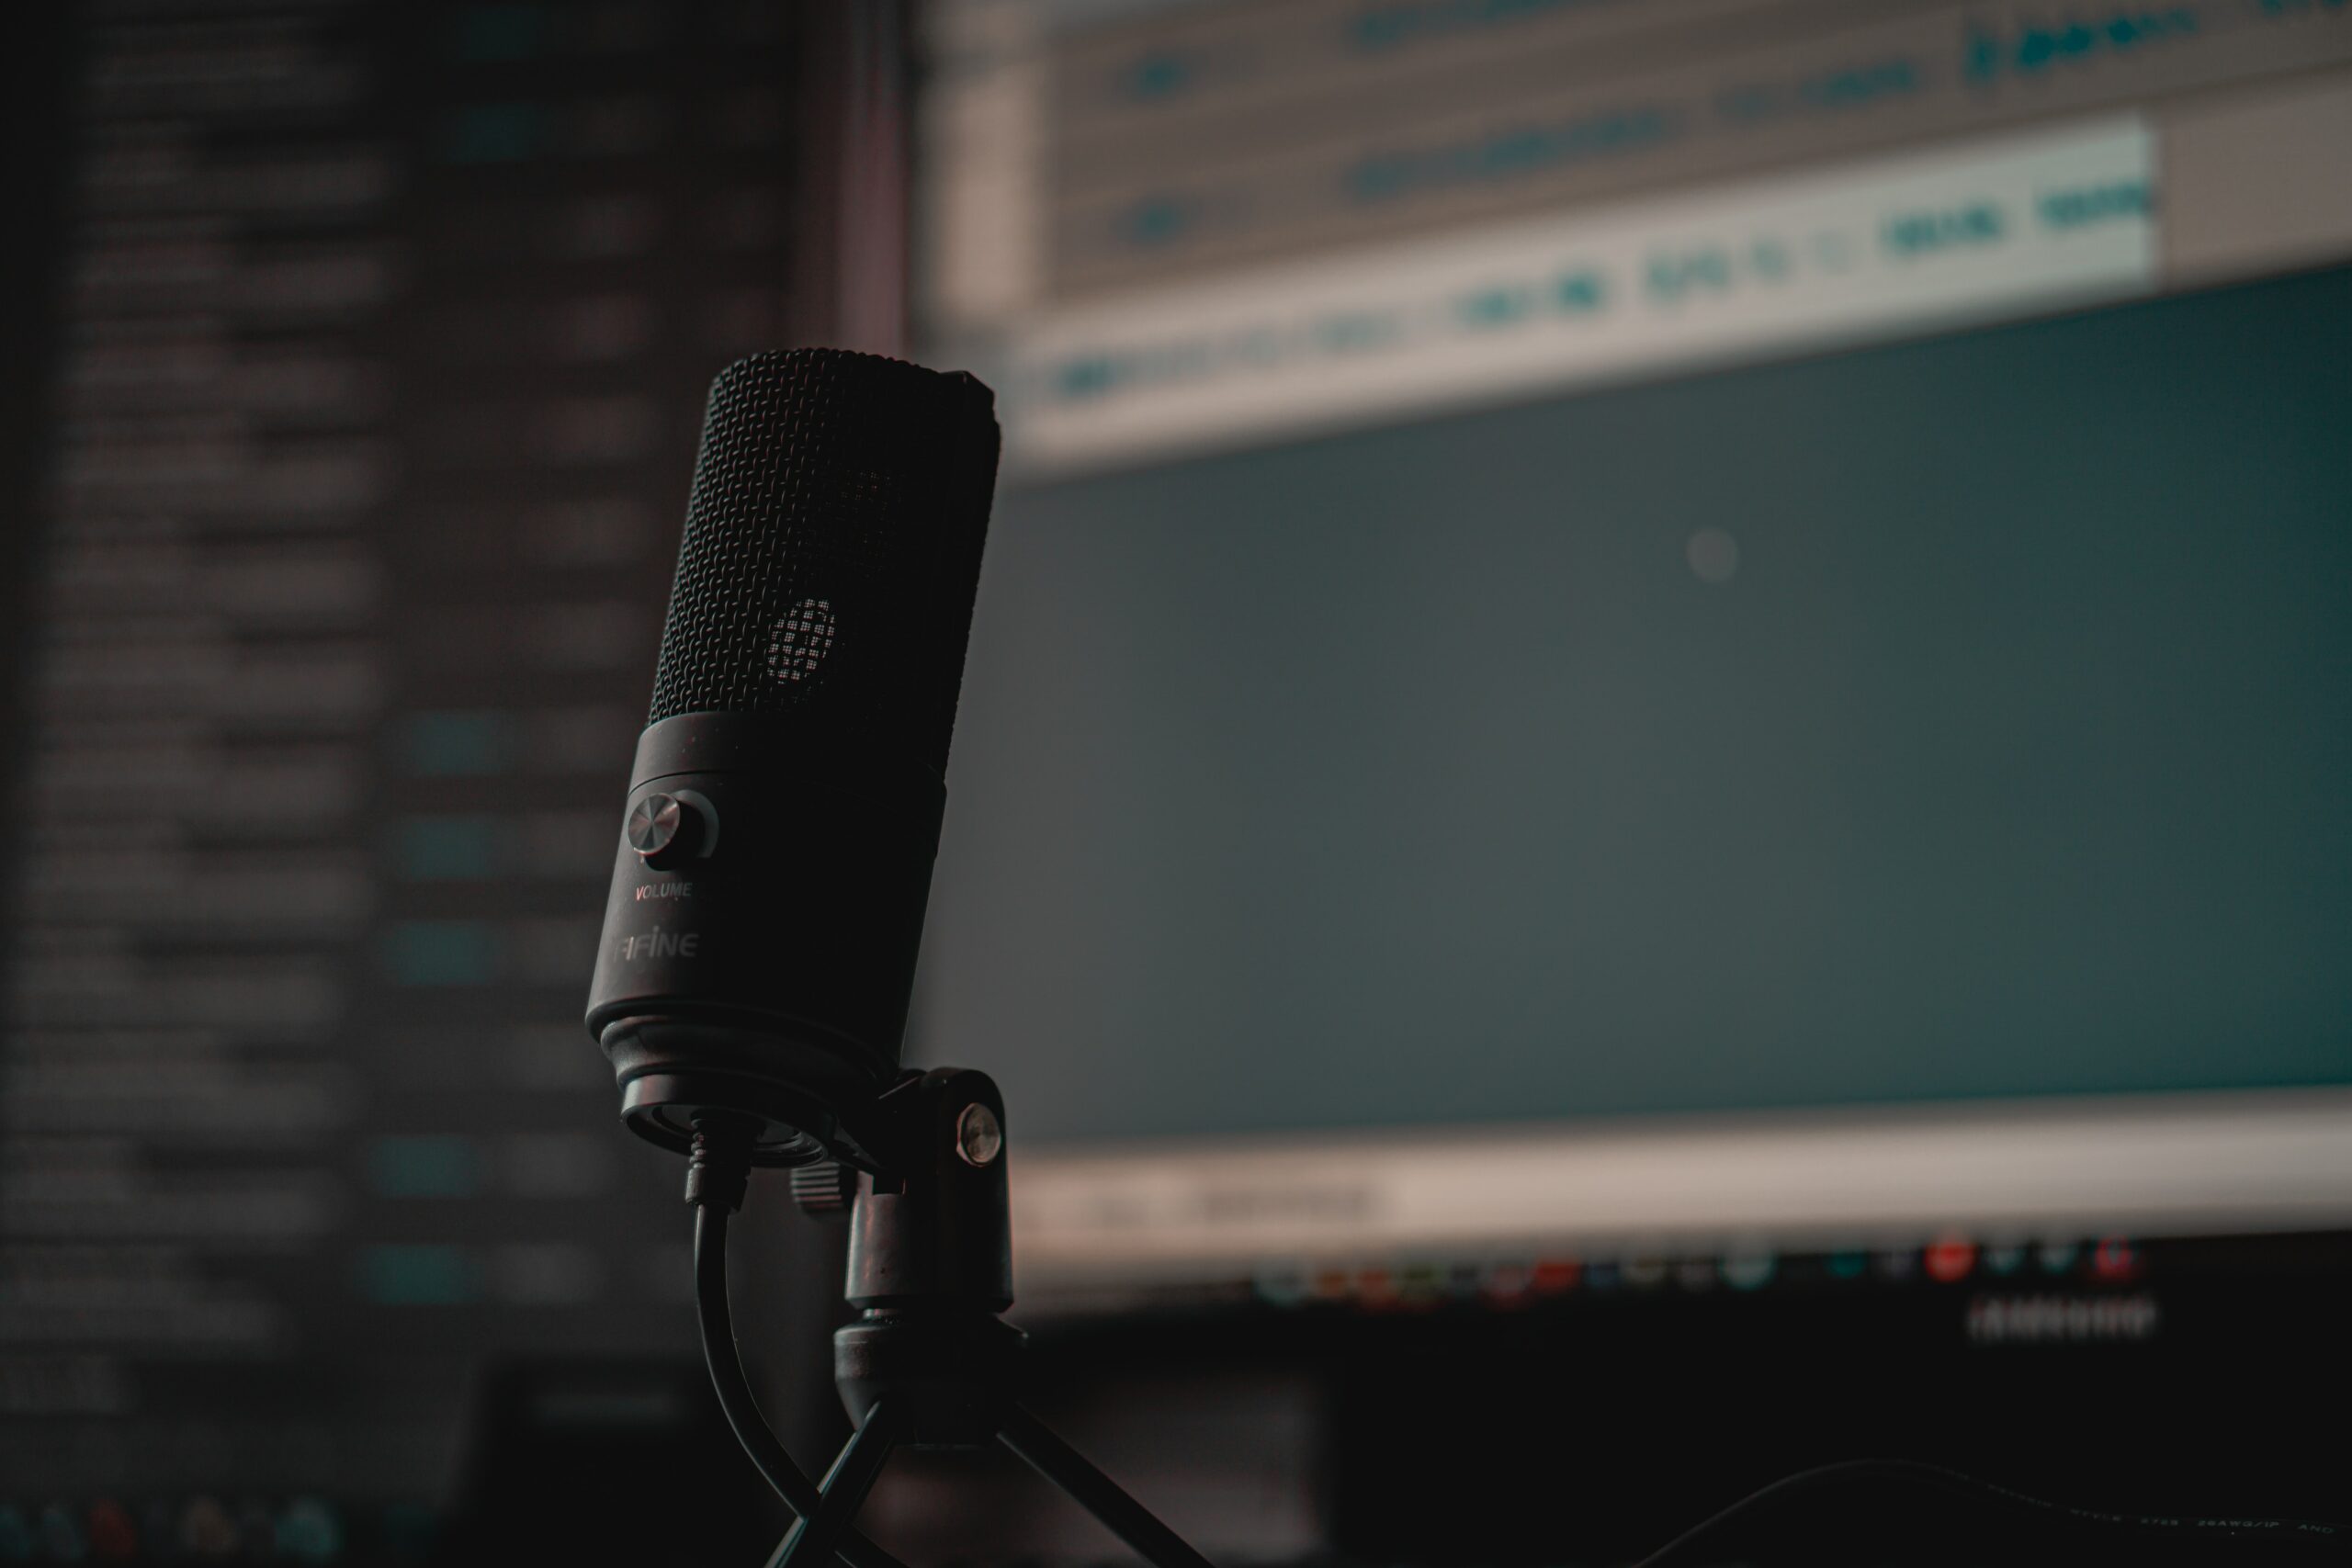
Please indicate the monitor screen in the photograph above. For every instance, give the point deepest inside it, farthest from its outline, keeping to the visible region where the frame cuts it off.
(343, 452)
(1621, 632)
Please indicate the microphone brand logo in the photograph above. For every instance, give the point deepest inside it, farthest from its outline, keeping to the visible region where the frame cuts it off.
(658, 944)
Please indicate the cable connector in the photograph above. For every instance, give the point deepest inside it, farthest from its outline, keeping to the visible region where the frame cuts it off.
(718, 1171)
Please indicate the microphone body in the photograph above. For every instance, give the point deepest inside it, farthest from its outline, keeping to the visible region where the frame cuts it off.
(768, 892)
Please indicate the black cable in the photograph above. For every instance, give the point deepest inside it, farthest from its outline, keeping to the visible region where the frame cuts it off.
(726, 1362)
(1991, 1496)
(715, 1185)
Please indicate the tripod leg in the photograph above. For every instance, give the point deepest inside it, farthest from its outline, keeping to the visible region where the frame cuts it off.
(813, 1538)
(1095, 1492)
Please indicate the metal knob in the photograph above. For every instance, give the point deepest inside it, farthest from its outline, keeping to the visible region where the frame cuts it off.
(665, 830)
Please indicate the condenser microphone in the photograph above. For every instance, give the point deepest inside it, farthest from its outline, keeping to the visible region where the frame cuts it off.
(768, 891)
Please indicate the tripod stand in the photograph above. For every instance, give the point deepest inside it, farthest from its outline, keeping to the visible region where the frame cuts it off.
(928, 1362)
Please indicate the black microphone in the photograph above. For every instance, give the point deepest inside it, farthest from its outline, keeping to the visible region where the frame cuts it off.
(768, 894)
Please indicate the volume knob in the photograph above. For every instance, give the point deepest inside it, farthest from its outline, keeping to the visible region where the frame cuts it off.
(665, 830)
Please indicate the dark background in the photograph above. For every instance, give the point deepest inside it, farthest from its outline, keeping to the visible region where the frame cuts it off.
(341, 511)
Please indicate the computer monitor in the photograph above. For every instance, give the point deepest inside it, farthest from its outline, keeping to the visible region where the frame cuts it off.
(1623, 641)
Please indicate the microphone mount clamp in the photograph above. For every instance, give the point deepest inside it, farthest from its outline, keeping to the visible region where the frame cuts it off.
(929, 1361)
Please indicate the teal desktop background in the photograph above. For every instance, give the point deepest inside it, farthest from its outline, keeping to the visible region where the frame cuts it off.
(1417, 775)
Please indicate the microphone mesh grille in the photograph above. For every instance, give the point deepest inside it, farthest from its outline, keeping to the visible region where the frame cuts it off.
(831, 551)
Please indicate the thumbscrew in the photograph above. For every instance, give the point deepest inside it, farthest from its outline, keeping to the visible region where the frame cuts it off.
(826, 1189)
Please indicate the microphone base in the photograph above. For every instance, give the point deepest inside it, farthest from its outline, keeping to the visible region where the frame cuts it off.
(947, 1374)
(805, 1103)
(930, 1363)
(661, 1108)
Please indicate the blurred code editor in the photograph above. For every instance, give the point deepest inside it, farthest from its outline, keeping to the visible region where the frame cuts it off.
(380, 346)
